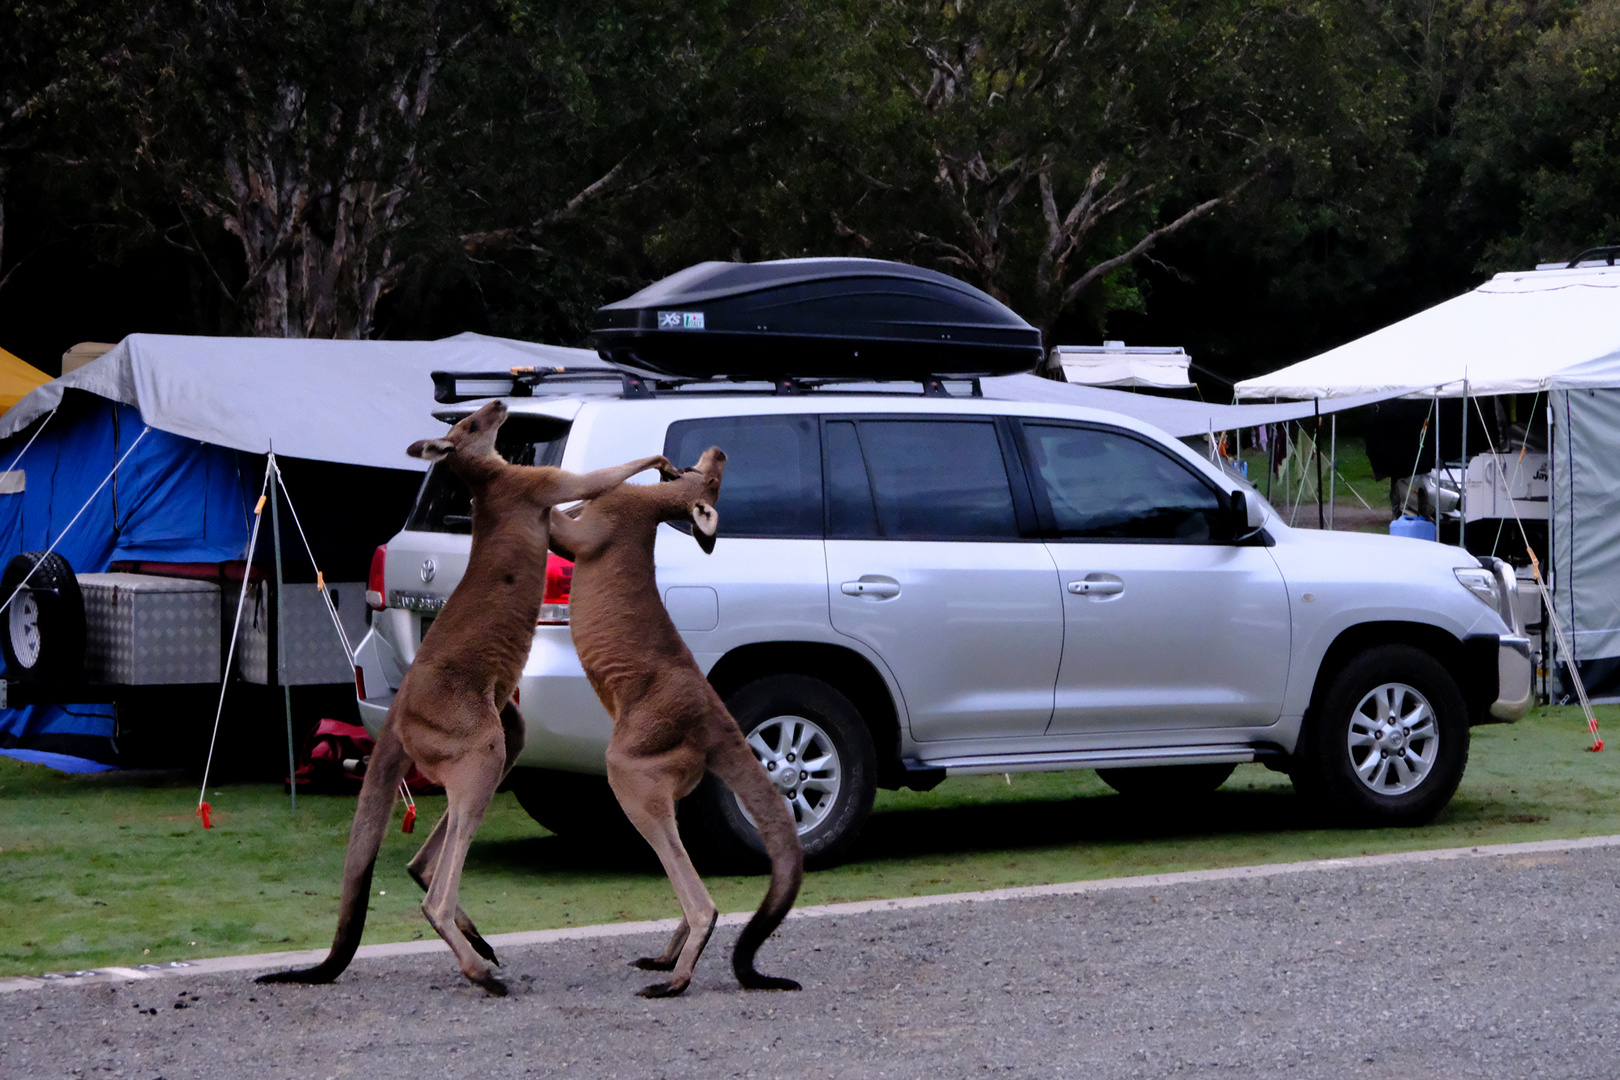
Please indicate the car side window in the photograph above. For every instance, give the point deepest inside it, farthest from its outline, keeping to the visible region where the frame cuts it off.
(924, 479)
(1107, 484)
(772, 483)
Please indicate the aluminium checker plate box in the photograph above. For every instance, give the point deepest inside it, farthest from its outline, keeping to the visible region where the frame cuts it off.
(314, 654)
(142, 630)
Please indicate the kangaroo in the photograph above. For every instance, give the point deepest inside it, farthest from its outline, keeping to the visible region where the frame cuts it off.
(453, 715)
(669, 724)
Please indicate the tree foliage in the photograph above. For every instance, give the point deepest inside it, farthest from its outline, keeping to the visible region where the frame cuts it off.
(355, 169)
(1540, 149)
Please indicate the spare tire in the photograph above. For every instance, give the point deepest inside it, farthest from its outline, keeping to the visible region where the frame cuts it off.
(42, 630)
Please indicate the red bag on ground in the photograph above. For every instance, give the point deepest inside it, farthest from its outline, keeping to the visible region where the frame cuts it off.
(334, 762)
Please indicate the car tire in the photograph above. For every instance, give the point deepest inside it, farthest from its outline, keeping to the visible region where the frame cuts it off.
(790, 719)
(576, 806)
(42, 631)
(1358, 766)
(1167, 783)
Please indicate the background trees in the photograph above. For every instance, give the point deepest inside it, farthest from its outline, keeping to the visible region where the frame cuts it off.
(1254, 180)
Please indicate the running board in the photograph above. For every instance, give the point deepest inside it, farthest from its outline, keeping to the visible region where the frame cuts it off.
(1103, 759)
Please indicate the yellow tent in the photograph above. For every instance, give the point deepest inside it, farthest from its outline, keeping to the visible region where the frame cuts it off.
(16, 379)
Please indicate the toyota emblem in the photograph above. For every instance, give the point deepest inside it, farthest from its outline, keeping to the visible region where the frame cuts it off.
(427, 570)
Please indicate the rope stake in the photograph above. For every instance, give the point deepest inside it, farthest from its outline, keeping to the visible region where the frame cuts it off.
(409, 825)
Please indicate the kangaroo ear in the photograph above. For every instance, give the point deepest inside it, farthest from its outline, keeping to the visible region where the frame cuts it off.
(430, 449)
(705, 522)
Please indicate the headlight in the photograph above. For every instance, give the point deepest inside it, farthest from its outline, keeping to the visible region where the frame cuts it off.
(1482, 583)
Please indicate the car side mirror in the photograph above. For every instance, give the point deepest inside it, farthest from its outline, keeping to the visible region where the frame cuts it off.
(1247, 517)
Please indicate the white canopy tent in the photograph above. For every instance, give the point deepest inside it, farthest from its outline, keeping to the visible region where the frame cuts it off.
(1553, 331)
(1520, 332)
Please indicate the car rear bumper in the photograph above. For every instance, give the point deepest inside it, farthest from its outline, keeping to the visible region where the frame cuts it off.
(565, 724)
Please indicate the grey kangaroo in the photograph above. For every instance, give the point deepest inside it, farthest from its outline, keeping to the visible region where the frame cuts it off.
(453, 715)
(669, 725)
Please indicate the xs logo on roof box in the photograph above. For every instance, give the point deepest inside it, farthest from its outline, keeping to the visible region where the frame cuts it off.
(680, 320)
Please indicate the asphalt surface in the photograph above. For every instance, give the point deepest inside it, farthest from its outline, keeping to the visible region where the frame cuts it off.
(1500, 966)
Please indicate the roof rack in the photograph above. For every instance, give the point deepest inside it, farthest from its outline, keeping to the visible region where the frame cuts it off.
(451, 387)
(1606, 253)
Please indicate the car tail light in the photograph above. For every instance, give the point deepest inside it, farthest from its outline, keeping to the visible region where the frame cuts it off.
(359, 683)
(559, 584)
(376, 591)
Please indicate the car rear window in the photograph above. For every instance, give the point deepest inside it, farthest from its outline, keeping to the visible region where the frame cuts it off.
(443, 504)
(772, 483)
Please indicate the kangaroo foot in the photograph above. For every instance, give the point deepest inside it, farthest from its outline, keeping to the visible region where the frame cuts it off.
(463, 923)
(491, 982)
(308, 976)
(654, 963)
(476, 940)
(756, 981)
(673, 988)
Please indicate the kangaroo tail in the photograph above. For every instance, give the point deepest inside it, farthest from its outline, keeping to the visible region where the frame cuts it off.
(737, 767)
(377, 793)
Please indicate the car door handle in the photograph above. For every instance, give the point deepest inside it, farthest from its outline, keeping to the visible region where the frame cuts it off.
(1096, 588)
(882, 590)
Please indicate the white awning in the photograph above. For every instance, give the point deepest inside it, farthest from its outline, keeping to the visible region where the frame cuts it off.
(1520, 332)
(360, 402)
(1114, 363)
(1175, 416)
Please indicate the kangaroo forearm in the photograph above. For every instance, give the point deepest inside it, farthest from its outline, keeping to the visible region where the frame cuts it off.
(590, 485)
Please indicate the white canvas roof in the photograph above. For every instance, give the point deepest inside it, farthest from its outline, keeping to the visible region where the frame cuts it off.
(360, 402)
(1114, 363)
(1175, 416)
(1520, 332)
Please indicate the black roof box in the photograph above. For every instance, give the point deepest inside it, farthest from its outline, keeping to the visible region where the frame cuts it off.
(807, 318)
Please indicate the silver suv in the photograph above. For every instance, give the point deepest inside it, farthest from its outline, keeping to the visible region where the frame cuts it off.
(914, 581)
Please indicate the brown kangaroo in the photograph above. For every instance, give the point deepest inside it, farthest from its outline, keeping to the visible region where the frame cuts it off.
(669, 725)
(453, 715)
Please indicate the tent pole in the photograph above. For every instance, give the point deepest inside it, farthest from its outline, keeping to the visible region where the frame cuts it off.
(1462, 486)
(1439, 465)
(1270, 443)
(281, 638)
(1316, 450)
(1333, 464)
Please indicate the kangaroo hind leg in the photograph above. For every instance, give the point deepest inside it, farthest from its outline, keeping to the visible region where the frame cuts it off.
(421, 865)
(644, 791)
(469, 784)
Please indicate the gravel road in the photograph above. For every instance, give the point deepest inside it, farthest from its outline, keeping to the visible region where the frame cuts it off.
(1501, 966)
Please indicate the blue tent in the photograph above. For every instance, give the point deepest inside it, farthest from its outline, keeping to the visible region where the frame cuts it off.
(343, 411)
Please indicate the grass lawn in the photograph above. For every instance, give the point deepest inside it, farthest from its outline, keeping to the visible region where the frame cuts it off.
(103, 870)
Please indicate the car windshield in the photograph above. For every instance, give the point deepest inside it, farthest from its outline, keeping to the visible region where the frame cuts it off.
(444, 504)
